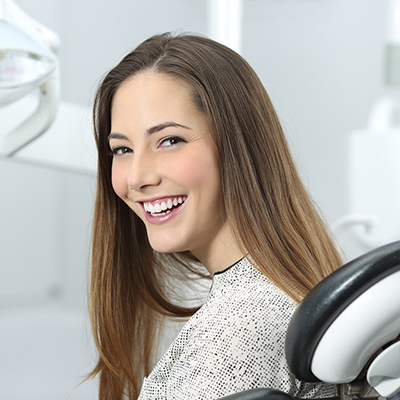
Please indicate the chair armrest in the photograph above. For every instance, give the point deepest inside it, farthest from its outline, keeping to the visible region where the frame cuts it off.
(259, 394)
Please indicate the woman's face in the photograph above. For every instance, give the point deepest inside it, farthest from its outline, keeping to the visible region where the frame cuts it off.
(166, 166)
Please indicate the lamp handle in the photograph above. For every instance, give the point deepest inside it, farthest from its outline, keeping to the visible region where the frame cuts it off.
(38, 122)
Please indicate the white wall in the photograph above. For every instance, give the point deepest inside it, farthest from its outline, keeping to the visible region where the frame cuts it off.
(45, 339)
(322, 62)
(44, 230)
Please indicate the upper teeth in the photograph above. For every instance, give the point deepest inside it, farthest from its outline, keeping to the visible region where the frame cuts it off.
(164, 205)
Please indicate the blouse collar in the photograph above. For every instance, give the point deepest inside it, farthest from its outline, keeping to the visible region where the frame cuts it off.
(237, 274)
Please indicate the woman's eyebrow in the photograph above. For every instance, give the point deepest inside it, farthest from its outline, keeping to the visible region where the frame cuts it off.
(163, 125)
(150, 131)
(116, 135)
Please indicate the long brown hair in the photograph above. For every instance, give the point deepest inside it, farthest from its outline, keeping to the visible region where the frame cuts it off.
(272, 216)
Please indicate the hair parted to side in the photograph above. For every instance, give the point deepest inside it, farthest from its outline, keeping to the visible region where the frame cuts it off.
(271, 213)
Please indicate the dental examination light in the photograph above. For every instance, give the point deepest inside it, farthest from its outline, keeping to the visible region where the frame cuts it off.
(27, 61)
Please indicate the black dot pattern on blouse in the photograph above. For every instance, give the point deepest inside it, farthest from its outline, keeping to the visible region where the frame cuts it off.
(235, 342)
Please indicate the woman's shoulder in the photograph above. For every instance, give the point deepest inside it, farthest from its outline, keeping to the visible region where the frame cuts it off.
(243, 294)
(244, 290)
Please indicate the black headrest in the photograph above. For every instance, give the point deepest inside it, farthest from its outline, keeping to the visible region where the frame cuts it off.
(328, 299)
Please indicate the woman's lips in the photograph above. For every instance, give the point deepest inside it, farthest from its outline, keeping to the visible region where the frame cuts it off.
(163, 209)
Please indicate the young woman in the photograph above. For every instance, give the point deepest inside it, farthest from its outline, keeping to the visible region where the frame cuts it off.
(194, 171)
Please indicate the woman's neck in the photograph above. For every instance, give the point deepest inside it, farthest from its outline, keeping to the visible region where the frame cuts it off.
(220, 254)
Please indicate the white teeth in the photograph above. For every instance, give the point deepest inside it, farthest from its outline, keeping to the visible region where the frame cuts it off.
(158, 208)
(160, 214)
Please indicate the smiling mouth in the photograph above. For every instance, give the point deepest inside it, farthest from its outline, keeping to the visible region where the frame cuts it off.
(162, 207)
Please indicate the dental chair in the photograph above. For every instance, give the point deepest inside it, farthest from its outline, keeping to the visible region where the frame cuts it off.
(346, 331)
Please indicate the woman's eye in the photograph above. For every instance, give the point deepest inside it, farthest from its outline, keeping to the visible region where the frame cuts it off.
(119, 151)
(171, 141)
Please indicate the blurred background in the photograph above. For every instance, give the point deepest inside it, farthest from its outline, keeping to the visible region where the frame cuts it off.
(324, 64)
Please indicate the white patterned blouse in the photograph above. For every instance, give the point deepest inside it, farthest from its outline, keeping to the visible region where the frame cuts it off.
(233, 343)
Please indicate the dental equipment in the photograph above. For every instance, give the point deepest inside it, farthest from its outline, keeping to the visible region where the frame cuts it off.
(27, 61)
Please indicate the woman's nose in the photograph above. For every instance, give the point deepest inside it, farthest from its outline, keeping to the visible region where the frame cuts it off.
(143, 172)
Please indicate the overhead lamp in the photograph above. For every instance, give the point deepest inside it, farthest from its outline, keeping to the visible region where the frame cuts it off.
(28, 61)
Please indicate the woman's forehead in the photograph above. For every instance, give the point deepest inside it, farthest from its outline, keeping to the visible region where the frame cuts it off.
(150, 99)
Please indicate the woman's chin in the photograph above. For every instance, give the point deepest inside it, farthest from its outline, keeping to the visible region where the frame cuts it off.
(165, 246)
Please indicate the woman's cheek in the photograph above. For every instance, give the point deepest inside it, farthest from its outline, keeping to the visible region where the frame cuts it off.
(194, 168)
